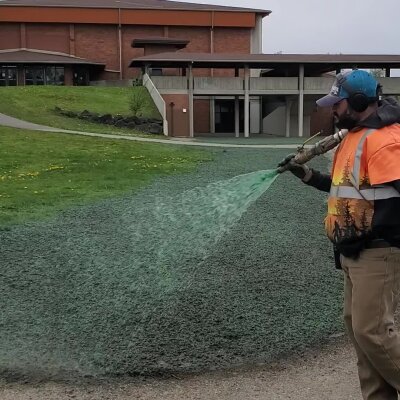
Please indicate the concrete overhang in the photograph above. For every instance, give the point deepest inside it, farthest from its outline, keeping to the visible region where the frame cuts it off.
(314, 64)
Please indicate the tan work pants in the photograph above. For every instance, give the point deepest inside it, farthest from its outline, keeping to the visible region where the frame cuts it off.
(371, 294)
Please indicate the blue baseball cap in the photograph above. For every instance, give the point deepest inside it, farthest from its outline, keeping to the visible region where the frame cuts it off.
(347, 84)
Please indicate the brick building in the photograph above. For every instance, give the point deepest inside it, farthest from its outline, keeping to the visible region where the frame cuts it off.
(202, 64)
(77, 41)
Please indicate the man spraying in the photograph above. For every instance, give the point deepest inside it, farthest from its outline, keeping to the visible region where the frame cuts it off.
(363, 223)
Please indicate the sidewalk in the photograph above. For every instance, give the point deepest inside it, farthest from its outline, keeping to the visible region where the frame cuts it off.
(328, 374)
(256, 143)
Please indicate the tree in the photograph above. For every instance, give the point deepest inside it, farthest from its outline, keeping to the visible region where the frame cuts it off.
(364, 225)
(377, 72)
(346, 173)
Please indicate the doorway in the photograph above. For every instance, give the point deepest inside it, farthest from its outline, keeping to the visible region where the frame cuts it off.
(225, 116)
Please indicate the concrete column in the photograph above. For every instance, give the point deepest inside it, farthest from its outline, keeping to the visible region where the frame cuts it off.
(191, 103)
(301, 99)
(256, 38)
(212, 114)
(255, 115)
(287, 124)
(237, 114)
(256, 41)
(246, 102)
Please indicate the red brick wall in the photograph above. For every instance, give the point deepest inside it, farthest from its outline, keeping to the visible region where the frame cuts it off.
(51, 37)
(105, 75)
(134, 32)
(200, 42)
(228, 40)
(178, 121)
(232, 40)
(159, 48)
(98, 43)
(10, 37)
(201, 116)
(199, 38)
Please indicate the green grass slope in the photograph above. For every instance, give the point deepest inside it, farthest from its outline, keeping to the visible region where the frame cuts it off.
(42, 173)
(36, 104)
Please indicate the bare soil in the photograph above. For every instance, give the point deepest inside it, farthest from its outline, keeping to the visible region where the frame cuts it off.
(329, 373)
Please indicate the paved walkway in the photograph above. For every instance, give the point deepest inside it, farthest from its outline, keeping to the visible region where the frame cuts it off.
(327, 374)
(6, 120)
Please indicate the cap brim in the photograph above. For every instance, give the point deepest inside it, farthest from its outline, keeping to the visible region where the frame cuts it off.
(328, 101)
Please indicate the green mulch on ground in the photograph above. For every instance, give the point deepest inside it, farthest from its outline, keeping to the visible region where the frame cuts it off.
(114, 288)
(41, 173)
(36, 104)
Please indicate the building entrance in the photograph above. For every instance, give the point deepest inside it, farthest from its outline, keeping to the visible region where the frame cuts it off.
(225, 116)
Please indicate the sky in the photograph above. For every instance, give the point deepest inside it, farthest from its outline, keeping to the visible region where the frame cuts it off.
(323, 26)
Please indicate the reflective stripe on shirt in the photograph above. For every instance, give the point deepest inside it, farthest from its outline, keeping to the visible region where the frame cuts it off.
(381, 192)
(355, 175)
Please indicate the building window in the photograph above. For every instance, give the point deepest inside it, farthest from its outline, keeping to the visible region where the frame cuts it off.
(54, 75)
(81, 77)
(8, 76)
(34, 76)
(49, 75)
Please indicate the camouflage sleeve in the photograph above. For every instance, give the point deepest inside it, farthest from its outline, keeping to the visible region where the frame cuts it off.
(320, 181)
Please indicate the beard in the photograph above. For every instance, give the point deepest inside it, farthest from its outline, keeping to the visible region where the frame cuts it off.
(345, 121)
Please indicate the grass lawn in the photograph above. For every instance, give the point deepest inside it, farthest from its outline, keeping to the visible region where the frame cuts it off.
(41, 173)
(36, 104)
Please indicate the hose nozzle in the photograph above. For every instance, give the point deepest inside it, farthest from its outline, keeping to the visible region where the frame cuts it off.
(304, 155)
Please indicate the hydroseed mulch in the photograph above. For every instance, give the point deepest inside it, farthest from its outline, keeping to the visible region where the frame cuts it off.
(82, 293)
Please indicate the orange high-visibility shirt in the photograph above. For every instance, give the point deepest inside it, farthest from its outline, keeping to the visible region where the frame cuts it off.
(355, 185)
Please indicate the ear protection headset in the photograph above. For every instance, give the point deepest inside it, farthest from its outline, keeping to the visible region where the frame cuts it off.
(357, 100)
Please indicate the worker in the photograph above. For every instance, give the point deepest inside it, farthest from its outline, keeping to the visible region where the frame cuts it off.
(363, 223)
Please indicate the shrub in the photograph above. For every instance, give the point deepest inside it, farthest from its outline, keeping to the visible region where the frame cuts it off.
(138, 103)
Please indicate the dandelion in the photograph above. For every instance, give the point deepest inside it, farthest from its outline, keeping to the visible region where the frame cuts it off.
(54, 168)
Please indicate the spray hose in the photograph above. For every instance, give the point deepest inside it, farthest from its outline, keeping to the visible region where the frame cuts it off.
(304, 155)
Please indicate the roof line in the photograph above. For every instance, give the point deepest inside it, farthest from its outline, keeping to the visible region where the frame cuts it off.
(49, 53)
(228, 9)
(55, 53)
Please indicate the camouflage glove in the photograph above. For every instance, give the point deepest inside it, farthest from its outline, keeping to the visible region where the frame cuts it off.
(302, 171)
